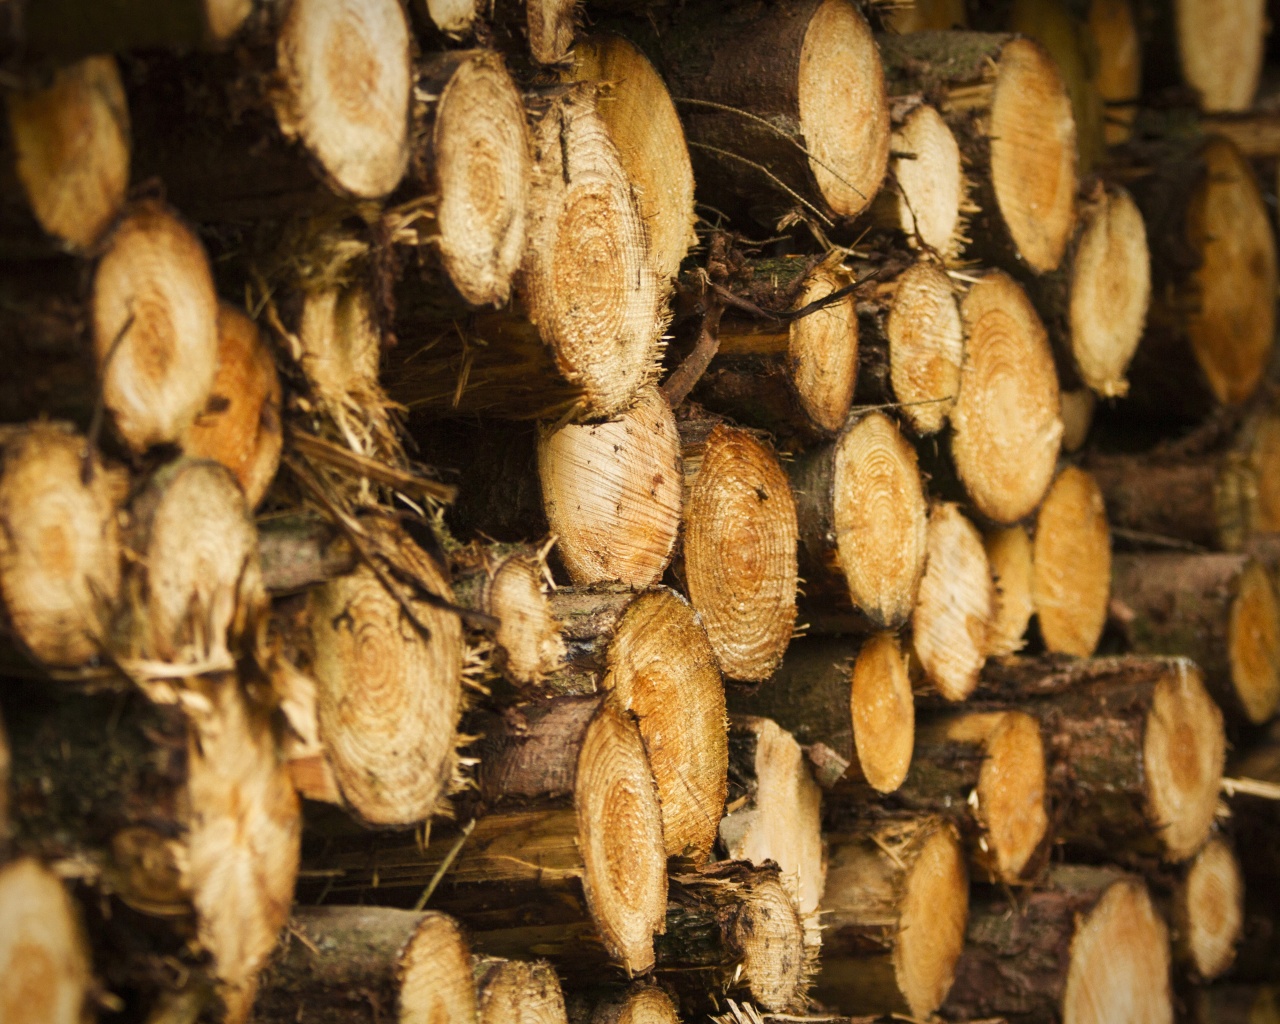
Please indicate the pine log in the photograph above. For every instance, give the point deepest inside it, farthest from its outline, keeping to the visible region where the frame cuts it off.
(895, 909)
(864, 712)
(181, 814)
(1078, 407)
(641, 119)
(774, 810)
(1205, 911)
(1220, 54)
(783, 107)
(640, 1003)
(863, 520)
(540, 29)
(1113, 30)
(1234, 1004)
(301, 551)
(454, 18)
(738, 546)
(1007, 105)
(1006, 422)
(517, 991)
(1078, 950)
(1012, 559)
(344, 965)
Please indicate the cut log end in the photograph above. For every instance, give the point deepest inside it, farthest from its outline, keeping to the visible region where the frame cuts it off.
(1072, 564)
(620, 837)
(775, 958)
(528, 634)
(481, 169)
(1209, 910)
(951, 623)
(60, 550)
(932, 922)
(1009, 553)
(645, 1004)
(822, 351)
(1220, 49)
(1183, 748)
(880, 519)
(453, 17)
(1078, 407)
(930, 180)
(612, 493)
(45, 971)
(1033, 153)
(155, 327)
(241, 425)
(1119, 958)
(1110, 291)
(345, 83)
(550, 25)
(1007, 420)
(883, 712)
(1011, 794)
(435, 974)
(661, 667)
(642, 121)
(844, 114)
(1253, 643)
(71, 150)
(740, 550)
(926, 346)
(518, 992)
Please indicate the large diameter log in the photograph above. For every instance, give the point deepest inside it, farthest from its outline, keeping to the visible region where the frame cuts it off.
(1012, 559)
(1087, 943)
(60, 545)
(1219, 610)
(1006, 103)
(519, 991)
(926, 195)
(775, 808)
(863, 520)
(894, 916)
(739, 546)
(343, 965)
(1007, 420)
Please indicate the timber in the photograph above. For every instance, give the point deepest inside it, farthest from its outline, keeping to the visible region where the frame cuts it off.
(520, 991)
(1206, 911)
(1012, 559)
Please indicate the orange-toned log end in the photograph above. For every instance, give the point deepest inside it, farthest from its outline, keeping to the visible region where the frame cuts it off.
(1220, 49)
(60, 548)
(1232, 326)
(930, 182)
(1033, 154)
(241, 425)
(932, 923)
(1012, 804)
(926, 346)
(71, 148)
(1009, 553)
(1208, 910)
(1183, 748)
(643, 1004)
(45, 970)
(661, 667)
(822, 350)
(612, 493)
(1253, 643)
(1007, 420)
(1072, 564)
(345, 80)
(155, 326)
(1118, 77)
(951, 623)
(740, 537)
(1119, 962)
(518, 992)
(883, 713)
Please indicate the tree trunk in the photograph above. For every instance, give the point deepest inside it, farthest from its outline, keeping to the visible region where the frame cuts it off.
(519, 991)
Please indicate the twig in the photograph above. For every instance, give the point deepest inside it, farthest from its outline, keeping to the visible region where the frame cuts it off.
(445, 865)
(1251, 787)
(675, 389)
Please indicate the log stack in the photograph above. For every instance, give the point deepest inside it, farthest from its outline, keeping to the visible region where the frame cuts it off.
(606, 512)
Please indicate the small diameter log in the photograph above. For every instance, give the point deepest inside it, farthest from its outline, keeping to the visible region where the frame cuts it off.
(782, 107)
(1011, 557)
(1006, 421)
(60, 547)
(46, 971)
(739, 546)
(1087, 944)
(1206, 911)
(455, 18)
(926, 343)
(863, 518)
(348, 965)
(155, 326)
(1219, 610)
(774, 808)
(517, 991)
(642, 122)
(1071, 571)
(1008, 107)
(1220, 52)
(640, 1004)
(541, 29)
(1078, 407)
(1113, 31)
(951, 622)
(863, 711)
(69, 148)
(241, 425)
(894, 915)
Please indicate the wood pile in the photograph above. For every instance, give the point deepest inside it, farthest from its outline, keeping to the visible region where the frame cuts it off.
(547, 511)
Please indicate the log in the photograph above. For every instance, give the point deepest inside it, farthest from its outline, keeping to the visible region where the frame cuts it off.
(520, 991)
(1078, 407)
(1219, 610)
(738, 546)
(774, 810)
(60, 547)
(1205, 910)
(895, 909)
(343, 965)
(1113, 31)
(640, 1004)
(68, 149)
(863, 520)
(1006, 104)
(1012, 559)
(1006, 422)
(1220, 55)
(1088, 942)
(863, 712)
(541, 29)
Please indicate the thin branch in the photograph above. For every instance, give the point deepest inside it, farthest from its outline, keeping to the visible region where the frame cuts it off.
(676, 388)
